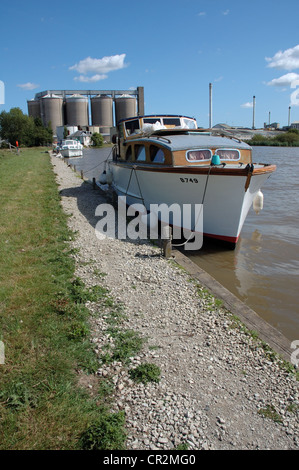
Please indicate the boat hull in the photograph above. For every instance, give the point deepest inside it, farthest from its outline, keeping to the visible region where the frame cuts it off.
(71, 152)
(226, 195)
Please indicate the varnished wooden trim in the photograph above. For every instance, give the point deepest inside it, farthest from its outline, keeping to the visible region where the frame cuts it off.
(198, 170)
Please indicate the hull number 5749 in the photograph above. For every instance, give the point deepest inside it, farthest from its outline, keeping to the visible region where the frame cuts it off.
(189, 180)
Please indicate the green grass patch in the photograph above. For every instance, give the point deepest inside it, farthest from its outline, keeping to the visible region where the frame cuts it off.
(43, 318)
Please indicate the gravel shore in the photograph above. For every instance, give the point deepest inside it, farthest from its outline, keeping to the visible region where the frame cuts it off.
(219, 389)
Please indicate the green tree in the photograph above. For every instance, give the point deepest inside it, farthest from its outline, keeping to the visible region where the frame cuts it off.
(17, 126)
(97, 139)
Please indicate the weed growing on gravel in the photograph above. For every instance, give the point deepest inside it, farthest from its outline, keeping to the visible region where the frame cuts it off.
(271, 413)
(126, 344)
(107, 433)
(183, 446)
(116, 316)
(81, 294)
(145, 373)
(293, 408)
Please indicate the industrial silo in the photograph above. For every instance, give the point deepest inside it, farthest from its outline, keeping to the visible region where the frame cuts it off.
(125, 107)
(77, 111)
(51, 111)
(102, 112)
(34, 108)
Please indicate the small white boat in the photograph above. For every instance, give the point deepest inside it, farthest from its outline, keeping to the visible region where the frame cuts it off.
(168, 160)
(71, 148)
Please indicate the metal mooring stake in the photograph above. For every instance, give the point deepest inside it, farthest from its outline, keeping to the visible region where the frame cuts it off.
(166, 236)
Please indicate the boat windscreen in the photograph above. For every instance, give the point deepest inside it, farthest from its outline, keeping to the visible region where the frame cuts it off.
(171, 122)
(189, 123)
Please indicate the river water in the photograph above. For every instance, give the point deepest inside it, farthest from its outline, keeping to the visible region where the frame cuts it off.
(263, 270)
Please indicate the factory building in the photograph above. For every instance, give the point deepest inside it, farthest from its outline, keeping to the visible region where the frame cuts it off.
(86, 109)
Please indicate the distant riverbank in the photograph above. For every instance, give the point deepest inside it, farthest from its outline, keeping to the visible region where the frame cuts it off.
(264, 137)
(289, 138)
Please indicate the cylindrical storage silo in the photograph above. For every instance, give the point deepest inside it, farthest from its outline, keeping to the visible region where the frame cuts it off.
(125, 107)
(51, 111)
(102, 112)
(34, 108)
(77, 111)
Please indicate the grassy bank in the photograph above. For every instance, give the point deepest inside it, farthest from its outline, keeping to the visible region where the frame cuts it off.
(44, 322)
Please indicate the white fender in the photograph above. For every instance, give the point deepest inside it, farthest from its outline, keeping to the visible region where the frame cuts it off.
(103, 178)
(258, 202)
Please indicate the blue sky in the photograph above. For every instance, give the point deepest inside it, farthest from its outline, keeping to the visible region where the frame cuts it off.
(172, 48)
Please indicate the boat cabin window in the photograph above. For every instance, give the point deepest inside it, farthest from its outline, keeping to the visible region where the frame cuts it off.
(129, 154)
(199, 155)
(132, 126)
(228, 154)
(140, 153)
(156, 154)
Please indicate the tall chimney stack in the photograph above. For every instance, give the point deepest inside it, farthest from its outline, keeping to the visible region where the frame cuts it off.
(210, 105)
(253, 117)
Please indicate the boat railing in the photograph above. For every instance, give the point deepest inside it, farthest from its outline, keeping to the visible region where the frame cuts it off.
(159, 137)
(224, 133)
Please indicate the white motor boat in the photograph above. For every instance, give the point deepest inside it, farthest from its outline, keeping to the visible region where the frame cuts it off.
(71, 148)
(168, 160)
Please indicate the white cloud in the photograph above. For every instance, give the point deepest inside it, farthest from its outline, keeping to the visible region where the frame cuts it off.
(28, 86)
(287, 60)
(247, 105)
(93, 78)
(202, 13)
(294, 98)
(100, 66)
(226, 12)
(284, 80)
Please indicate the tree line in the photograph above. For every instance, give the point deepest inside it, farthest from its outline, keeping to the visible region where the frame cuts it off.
(283, 139)
(15, 126)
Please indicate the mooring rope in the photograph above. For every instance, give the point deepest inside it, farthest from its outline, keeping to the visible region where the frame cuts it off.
(203, 198)
(104, 161)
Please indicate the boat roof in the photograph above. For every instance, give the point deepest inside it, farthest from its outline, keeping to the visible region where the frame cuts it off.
(193, 140)
(149, 116)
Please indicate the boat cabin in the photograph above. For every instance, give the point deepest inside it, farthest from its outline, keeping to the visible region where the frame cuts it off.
(71, 144)
(175, 141)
